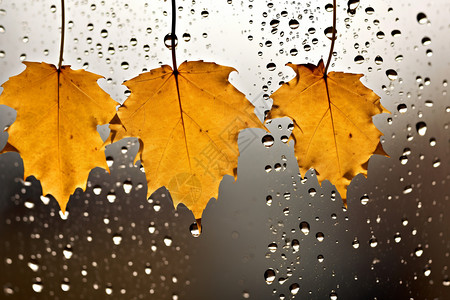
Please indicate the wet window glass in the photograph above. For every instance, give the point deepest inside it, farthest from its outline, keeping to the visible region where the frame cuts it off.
(276, 227)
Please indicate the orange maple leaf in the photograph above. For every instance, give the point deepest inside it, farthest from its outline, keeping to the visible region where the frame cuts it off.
(333, 126)
(187, 124)
(56, 127)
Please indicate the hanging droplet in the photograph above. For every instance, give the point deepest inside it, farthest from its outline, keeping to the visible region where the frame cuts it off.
(168, 41)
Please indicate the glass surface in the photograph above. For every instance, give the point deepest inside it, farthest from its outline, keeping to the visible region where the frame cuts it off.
(269, 235)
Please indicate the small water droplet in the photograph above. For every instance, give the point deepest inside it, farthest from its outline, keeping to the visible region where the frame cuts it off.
(104, 33)
(422, 18)
(355, 243)
(127, 186)
(269, 276)
(397, 237)
(364, 199)
(359, 59)
(402, 108)
(117, 239)
(271, 66)
(273, 247)
(304, 227)
(391, 74)
(373, 242)
(320, 237)
(168, 241)
(418, 252)
(294, 24)
(421, 128)
(268, 140)
(194, 229)
(294, 288)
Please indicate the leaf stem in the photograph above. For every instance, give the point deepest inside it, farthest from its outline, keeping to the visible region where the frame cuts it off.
(63, 26)
(172, 37)
(333, 39)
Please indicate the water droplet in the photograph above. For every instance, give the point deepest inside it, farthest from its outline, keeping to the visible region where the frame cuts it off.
(194, 229)
(373, 242)
(133, 42)
(111, 197)
(397, 237)
(427, 271)
(408, 189)
(329, 32)
(304, 227)
(359, 59)
(33, 265)
(104, 33)
(269, 200)
(168, 241)
(320, 258)
(65, 285)
(274, 23)
(418, 252)
(125, 65)
(268, 140)
(284, 139)
(426, 41)
(436, 163)
(37, 286)
(364, 199)
(205, 14)
(148, 269)
(117, 239)
(97, 190)
(294, 24)
(355, 243)
(421, 128)
(268, 168)
(168, 41)
(293, 52)
(422, 18)
(312, 192)
(269, 276)
(67, 252)
(53, 8)
(186, 37)
(378, 60)
(22, 57)
(333, 296)
(294, 288)
(391, 74)
(273, 247)
(271, 66)
(403, 159)
(295, 245)
(320, 237)
(402, 108)
(396, 33)
(127, 186)
(380, 35)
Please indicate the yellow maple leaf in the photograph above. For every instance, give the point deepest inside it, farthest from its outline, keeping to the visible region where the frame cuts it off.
(333, 126)
(187, 123)
(55, 131)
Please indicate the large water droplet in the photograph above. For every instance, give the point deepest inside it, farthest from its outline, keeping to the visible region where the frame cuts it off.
(168, 41)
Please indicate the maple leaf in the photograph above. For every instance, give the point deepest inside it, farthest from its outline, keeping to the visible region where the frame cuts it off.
(187, 123)
(332, 117)
(56, 127)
